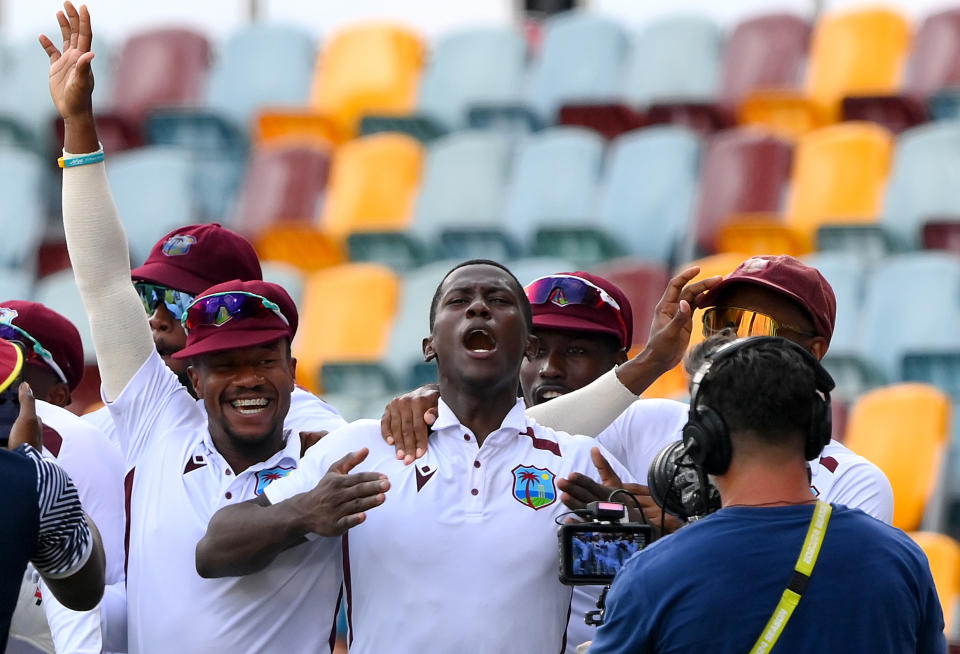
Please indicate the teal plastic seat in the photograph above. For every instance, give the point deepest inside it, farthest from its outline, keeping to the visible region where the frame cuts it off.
(23, 185)
(647, 195)
(580, 61)
(59, 292)
(673, 59)
(553, 190)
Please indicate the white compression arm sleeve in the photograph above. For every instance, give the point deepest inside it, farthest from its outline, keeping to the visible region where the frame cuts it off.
(588, 410)
(101, 263)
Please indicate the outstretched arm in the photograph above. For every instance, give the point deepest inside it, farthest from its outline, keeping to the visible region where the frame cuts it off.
(95, 237)
(245, 538)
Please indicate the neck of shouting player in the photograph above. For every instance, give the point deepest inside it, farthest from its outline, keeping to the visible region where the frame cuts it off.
(765, 475)
(480, 407)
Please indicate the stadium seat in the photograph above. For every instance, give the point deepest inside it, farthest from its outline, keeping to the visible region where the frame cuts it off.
(287, 276)
(345, 317)
(59, 292)
(22, 214)
(16, 284)
(923, 182)
(671, 64)
(942, 235)
(609, 120)
(846, 274)
(295, 127)
(301, 244)
(764, 52)
(932, 68)
(838, 176)
(744, 171)
(459, 211)
(647, 194)
(373, 186)
(903, 429)
(551, 194)
(281, 183)
(405, 354)
(159, 68)
(910, 306)
(943, 554)
(153, 189)
(261, 66)
(856, 52)
(527, 269)
(580, 60)
(367, 68)
(476, 67)
(644, 285)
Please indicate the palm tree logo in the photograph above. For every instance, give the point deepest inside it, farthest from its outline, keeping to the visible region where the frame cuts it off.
(534, 487)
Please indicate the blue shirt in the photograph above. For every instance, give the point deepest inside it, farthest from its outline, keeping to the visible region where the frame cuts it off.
(712, 587)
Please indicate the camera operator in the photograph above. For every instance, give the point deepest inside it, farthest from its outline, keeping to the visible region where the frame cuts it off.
(759, 409)
(43, 521)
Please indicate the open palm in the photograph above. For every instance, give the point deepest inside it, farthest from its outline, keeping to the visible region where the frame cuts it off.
(71, 79)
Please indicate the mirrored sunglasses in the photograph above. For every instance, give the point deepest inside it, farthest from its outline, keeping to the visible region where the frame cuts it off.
(219, 308)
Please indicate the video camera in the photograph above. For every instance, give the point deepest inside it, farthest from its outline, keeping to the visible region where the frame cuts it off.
(592, 552)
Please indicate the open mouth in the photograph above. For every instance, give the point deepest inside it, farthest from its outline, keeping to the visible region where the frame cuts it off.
(479, 340)
(544, 394)
(250, 406)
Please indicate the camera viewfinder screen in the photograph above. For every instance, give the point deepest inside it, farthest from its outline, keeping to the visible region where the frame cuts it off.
(602, 553)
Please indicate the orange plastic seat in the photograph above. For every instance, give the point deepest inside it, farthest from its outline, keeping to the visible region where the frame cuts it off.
(294, 127)
(300, 244)
(373, 184)
(903, 429)
(943, 553)
(859, 52)
(367, 68)
(346, 316)
(754, 234)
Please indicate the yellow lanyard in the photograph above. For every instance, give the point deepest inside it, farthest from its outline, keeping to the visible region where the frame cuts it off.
(798, 583)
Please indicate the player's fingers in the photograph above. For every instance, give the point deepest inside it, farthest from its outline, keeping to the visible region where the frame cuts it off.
(28, 405)
(349, 522)
(690, 291)
(676, 284)
(49, 48)
(608, 477)
(364, 486)
(74, 19)
(346, 463)
(572, 503)
(408, 436)
(83, 63)
(64, 28)
(637, 489)
(85, 37)
(430, 416)
(421, 433)
(583, 488)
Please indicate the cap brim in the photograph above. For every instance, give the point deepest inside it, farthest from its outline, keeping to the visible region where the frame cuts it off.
(232, 340)
(11, 363)
(171, 277)
(574, 324)
(709, 300)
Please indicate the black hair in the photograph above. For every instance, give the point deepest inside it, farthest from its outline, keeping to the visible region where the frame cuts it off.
(514, 282)
(767, 390)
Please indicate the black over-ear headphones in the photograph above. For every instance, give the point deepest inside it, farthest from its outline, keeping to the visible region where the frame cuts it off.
(705, 436)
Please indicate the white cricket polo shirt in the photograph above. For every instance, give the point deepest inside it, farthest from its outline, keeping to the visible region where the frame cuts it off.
(841, 476)
(463, 555)
(96, 467)
(179, 480)
(642, 431)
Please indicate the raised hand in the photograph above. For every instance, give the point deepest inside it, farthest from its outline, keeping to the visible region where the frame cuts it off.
(673, 317)
(71, 78)
(27, 428)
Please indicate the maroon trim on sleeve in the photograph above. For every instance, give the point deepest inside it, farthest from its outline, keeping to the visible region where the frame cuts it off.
(542, 443)
(829, 463)
(127, 492)
(345, 545)
(52, 440)
(336, 614)
(196, 462)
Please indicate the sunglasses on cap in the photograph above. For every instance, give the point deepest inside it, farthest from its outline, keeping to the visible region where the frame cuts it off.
(745, 323)
(151, 295)
(32, 350)
(567, 290)
(219, 308)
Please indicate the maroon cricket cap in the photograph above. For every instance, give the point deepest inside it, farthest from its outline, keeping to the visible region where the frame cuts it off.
(605, 319)
(243, 332)
(195, 257)
(782, 273)
(53, 331)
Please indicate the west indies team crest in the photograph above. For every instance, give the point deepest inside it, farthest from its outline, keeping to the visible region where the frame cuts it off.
(178, 245)
(534, 487)
(270, 475)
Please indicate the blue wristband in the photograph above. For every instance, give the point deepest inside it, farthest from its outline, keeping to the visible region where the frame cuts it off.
(80, 160)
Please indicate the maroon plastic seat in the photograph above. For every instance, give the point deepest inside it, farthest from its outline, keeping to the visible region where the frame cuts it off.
(934, 65)
(643, 284)
(743, 171)
(282, 183)
(942, 234)
(160, 68)
(763, 52)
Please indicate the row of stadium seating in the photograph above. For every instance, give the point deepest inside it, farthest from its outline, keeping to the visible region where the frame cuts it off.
(773, 69)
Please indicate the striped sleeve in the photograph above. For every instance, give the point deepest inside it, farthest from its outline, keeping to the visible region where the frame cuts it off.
(64, 542)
